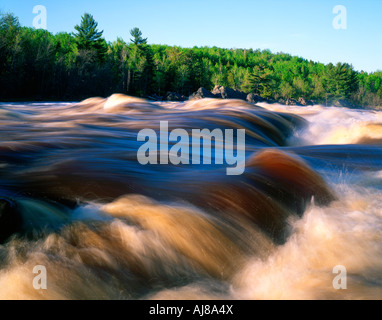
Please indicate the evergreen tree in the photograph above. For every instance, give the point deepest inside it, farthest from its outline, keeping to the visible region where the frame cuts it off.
(11, 54)
(37, 64)
(8, 21)
(137, 37)
(261, 80)
(340, 81)
(89, 38)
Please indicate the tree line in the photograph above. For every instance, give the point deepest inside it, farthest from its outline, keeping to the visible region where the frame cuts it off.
(36, 64)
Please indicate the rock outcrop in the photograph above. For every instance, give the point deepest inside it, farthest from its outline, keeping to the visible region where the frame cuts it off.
(173, 96)
(305, 102)
(228, 93)
(255, 98)
(221, 92)
(201, 94)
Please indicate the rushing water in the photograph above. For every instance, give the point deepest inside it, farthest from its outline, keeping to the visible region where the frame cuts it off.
(75, 199)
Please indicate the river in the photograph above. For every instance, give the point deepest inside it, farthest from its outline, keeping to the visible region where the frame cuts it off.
(75, 200)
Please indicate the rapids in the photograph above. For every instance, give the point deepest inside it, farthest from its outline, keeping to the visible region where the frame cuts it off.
(74, 198)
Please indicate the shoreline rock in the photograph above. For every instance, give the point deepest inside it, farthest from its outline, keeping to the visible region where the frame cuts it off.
(228, 93)
(255, 98)
(221, 92)
(173, 96)
(202, 93)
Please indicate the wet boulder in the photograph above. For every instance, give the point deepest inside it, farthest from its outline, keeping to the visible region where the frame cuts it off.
(292, 102)
(202, 93)
(228, 93)
(255, 98)
(304, 102)
(173, 96)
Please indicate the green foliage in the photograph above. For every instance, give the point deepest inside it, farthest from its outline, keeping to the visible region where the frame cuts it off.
(261, 80)
(340, 81)
(35, 64)
(89, 38)
(9, 22)
(137, 37)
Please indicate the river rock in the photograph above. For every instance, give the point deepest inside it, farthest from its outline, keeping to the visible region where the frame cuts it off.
(228, 93)
(173, 96)
(201, 94)
(255, 98)
(305, 102)
(291, 102)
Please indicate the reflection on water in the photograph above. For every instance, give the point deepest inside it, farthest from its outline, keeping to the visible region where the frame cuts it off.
(74, 198)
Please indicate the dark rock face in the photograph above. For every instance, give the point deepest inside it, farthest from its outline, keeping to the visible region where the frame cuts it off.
(255, 98)
(201, 94)
(291, 102)
(10, 219)
(228, 93)
(304, 102)
(173, 96)
(221, 92)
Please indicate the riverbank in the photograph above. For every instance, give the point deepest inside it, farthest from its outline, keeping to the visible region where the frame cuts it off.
(221, 92)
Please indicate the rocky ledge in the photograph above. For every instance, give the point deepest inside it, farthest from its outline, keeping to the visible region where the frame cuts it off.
(221, 92)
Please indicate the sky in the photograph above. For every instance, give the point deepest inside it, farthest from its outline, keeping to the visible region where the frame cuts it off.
(311, 29)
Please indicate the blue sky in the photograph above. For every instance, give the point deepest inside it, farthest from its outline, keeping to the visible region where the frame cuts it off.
(300, 27)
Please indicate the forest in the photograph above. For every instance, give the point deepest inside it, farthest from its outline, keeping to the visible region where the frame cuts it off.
(38, 65)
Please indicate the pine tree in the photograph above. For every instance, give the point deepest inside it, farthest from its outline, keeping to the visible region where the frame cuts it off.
(261, 80)
(137, 37)
(340, 81)
(89, 38)
(9, 21)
